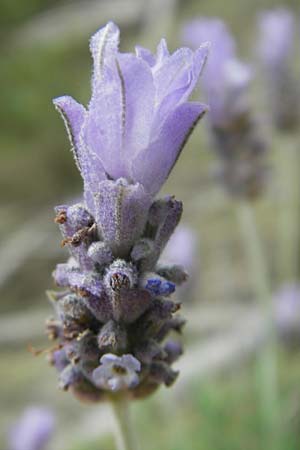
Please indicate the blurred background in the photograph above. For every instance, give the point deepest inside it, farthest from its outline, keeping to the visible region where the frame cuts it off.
(216, 402)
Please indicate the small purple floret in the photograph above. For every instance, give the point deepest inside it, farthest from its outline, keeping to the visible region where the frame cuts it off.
(117, 373)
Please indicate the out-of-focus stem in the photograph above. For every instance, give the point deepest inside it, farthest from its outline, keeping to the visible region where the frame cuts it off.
(125, 435)
(288, 213)
(267, 358)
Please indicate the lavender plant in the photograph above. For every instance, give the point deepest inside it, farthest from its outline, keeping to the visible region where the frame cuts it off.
(275, 45)
(114, 312)
(233, 127)
(242, 151)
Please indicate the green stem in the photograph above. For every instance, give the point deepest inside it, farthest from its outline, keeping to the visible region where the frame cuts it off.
(267, 358)
(125, 436)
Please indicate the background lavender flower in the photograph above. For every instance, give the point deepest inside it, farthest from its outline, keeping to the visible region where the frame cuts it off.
(114, 312)
(226, 85)
(181, 248)
(275, 49)
(275, 43)
(222, 52)
(33, 430)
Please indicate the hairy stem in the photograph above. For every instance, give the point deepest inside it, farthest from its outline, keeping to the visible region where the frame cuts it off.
(267, 358)
(125, 435)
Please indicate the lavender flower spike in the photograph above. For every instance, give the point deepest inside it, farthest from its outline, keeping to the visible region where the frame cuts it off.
(114, 305)
(226, 84)
(33, 431)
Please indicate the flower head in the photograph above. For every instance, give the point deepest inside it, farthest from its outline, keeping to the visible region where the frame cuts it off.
(33, 430)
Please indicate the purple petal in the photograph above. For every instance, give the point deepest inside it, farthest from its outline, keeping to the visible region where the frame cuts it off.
(73, 115)
(145, 54)
(120, 114)
(185, 83)
(131, 362)
(162, 51)
(104, 45)
(106, 377)
(100, 375)
(172, 73)
(138, 94)
(152, 166)
(109, 358)
(102, 132)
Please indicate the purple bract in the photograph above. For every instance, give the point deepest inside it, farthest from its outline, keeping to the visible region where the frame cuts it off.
(138, 118)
